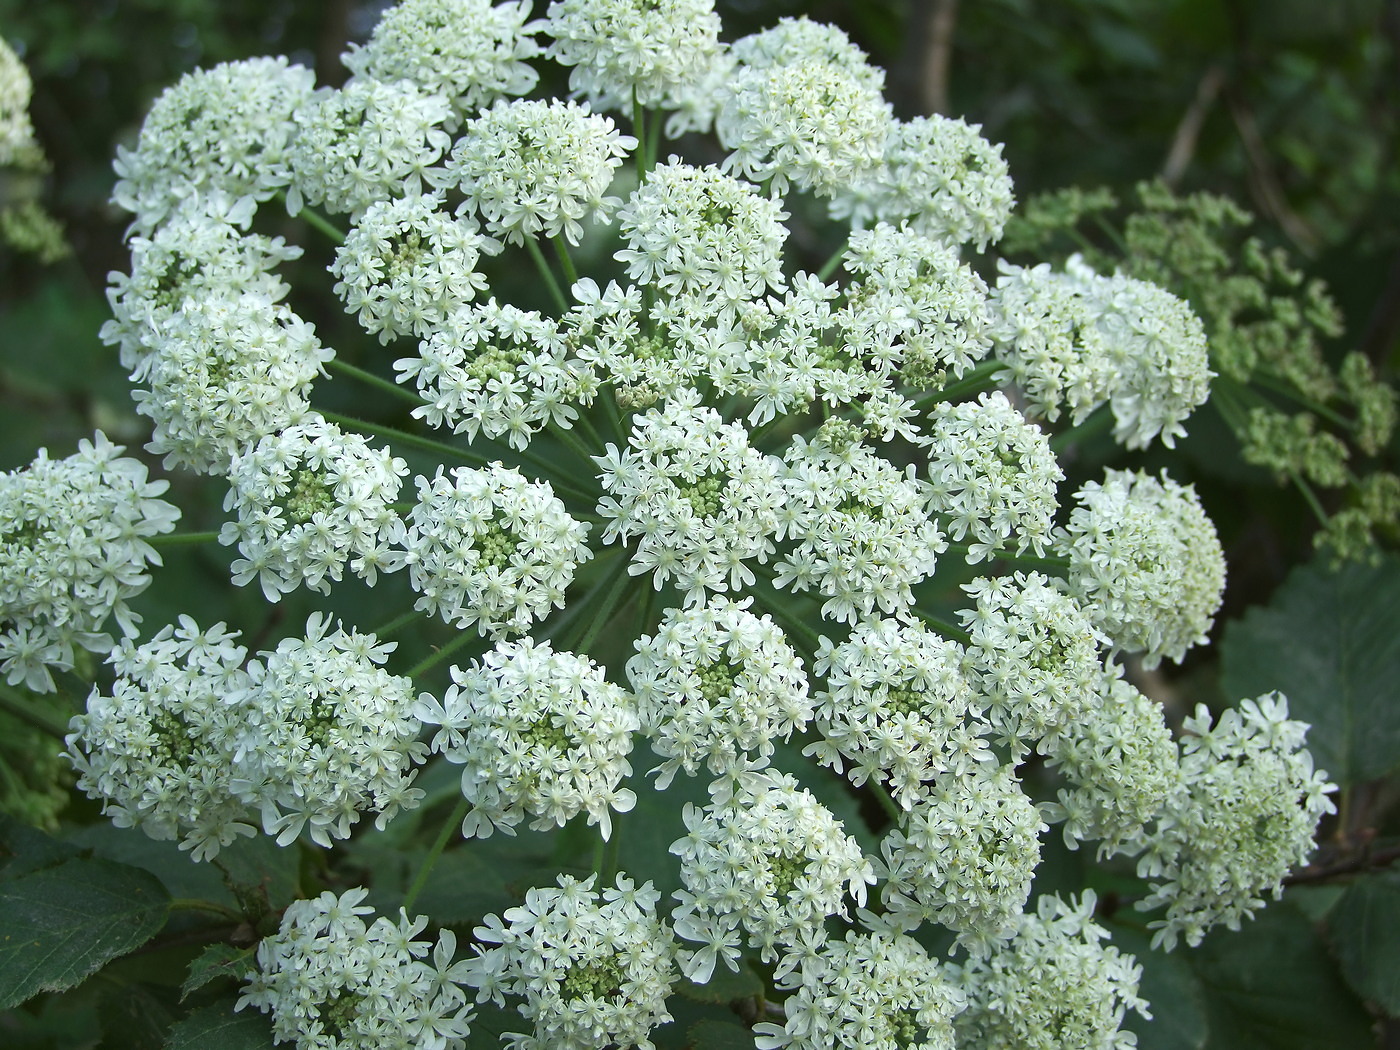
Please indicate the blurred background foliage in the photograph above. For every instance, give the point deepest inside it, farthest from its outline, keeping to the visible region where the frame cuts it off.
(1290, 108)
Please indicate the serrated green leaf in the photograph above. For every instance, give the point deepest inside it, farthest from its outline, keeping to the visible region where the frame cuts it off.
(1272, 986)
(24, 849)
(217, 1026)
(61, 924)
(216, 962)
(1328, 641)
(1365, 930)
(1173, 993)
(718, 1035)
(724, 986)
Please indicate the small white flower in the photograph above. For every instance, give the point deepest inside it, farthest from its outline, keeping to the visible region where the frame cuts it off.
(470, 52)
(226, 129)
(73, 550)
(590, 972)
(766, 863)
(491, 549)
(309, 500)
(159, 749)
(532, 167)
(332, 982)
(541, 734)
(405, 266)
(1147, 563)
(1053, 985)
(326, 735)
(717, 685)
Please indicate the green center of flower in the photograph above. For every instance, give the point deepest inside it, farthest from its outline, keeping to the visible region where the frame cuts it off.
(492, 362)
(705, 493)
(786, 870)
(308, 496)
(404, 256)
(174, 740)
(717, 679)
(904, 700)
(601, 979)
(320, 720)
(905, 1030)
(497, 544)
(545, 733)
(338, 1014)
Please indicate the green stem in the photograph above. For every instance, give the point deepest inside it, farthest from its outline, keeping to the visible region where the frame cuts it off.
(557, 479)
(887, 802)
(605, 611)
(609, 873)
(404, 437)
(317, 221)
(832, 264)
(943, 627)
(25, 710)
(1286, 389)
(378, 382)
(985, 376)
(1099, 420)
(570, 439)
(181, 539)
(556, 293)
(398, 621)
(1308, 494)
(561, 248)
(193, 904)
(639, 132)
(433, 659)
(454, 822)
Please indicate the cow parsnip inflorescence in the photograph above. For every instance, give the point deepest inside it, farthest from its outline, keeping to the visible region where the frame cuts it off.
(796, 468)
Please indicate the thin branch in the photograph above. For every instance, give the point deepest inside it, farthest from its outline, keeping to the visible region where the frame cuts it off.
(1188, 131)
(938, 55)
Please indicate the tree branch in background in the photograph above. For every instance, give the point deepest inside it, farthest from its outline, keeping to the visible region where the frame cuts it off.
(937, 66)
(1263, 182)
(1188, 131)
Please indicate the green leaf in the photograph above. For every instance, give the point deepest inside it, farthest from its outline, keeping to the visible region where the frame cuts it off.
(1328, 641)
(1365, 929)
(61, 924)
(24, 850)
(217, 962)
(136, 1016)
(1272, 986)
(1173, 993)
(724, 986)
(718, 1035)
(217, 1026)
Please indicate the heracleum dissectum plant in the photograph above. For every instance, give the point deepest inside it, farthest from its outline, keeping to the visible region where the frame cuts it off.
(705, 502)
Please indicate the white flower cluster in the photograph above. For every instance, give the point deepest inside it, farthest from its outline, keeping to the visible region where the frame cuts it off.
(862, 530)
(1077, 339)
(16, 130)
(496, 370)
(940, 176)
(802, 107)
(74, 549)
(333, 982)
(405, 266)
(993, 475)
(699, 498)
(157, 750)
(309, 499)
(366, 142)
(228, 369)
(1037, 653)
(1053, 985)
(229, 129)
(1243, 819)
(703, 237)
(467, 51)
(658, 54)
(898, 707)
(489, 549)
(1121, 764)
(765, 864)
(540, 733)
(963, 856)
(716, 685)
(591, 972)
(326, 734)
(200, 250)
(1145, 562)
(871, 991)
(532, 167)
(914, 308)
